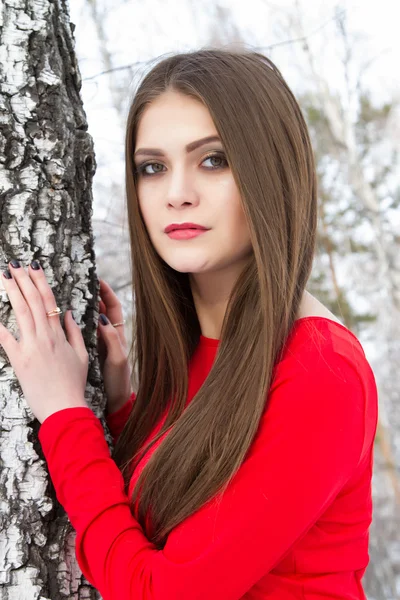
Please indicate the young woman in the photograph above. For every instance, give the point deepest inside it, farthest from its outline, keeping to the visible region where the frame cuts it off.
(247, 452)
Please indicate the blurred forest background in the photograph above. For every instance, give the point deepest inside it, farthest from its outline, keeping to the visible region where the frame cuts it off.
(340, 61)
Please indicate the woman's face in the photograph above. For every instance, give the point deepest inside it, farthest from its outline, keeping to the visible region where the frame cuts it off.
(179, 186)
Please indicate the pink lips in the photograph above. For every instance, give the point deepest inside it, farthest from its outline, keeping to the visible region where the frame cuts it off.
(185, 234)
(185, 225)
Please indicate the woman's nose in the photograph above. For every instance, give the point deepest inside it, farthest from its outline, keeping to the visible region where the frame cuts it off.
(181, 189)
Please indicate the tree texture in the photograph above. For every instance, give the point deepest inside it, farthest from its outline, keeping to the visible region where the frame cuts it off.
(46, 168)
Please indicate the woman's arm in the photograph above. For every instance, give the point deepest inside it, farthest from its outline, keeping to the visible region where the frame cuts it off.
(318, 426)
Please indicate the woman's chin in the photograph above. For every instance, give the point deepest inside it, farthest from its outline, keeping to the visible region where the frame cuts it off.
(189, 266)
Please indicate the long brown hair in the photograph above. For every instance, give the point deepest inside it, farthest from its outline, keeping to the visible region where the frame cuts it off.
(268, 149)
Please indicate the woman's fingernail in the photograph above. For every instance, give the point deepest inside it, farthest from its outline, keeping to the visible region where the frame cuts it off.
(7, 274)
(35, 265)
(103, 319)
(15, 264)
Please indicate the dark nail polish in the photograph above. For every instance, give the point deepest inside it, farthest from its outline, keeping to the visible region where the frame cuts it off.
(7, 274)
(14, 263)
(35, 265)
(103, 319)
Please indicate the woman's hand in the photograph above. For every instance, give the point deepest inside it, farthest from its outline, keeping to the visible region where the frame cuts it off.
(51, 369)
(113, 350)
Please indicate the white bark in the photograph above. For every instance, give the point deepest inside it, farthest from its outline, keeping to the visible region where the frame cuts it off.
(46, 170)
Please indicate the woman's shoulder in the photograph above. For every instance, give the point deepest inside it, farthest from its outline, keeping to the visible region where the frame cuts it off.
(323, 357)
(324, 360)
(316, 342)
(322, 328)
(317, 329)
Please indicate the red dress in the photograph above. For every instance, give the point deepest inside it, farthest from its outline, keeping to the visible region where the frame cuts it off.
(293, 523)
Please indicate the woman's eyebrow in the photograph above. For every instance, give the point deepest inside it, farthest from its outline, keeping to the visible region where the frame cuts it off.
(189, 148)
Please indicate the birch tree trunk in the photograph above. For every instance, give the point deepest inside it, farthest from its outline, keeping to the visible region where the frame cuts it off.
(46, 168)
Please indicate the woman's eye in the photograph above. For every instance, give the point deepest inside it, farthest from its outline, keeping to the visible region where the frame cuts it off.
(218, 157)
(142, 169)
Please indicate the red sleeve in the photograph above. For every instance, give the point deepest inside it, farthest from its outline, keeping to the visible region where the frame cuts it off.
(116, 420)
(310, 442)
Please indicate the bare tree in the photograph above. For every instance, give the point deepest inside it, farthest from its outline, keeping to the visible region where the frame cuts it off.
(358, 191)
(46, 168)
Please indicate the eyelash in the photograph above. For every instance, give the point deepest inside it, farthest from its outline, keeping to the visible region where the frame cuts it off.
(140, 169)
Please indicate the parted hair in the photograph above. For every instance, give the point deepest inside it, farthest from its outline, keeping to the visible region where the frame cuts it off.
(268, 149)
